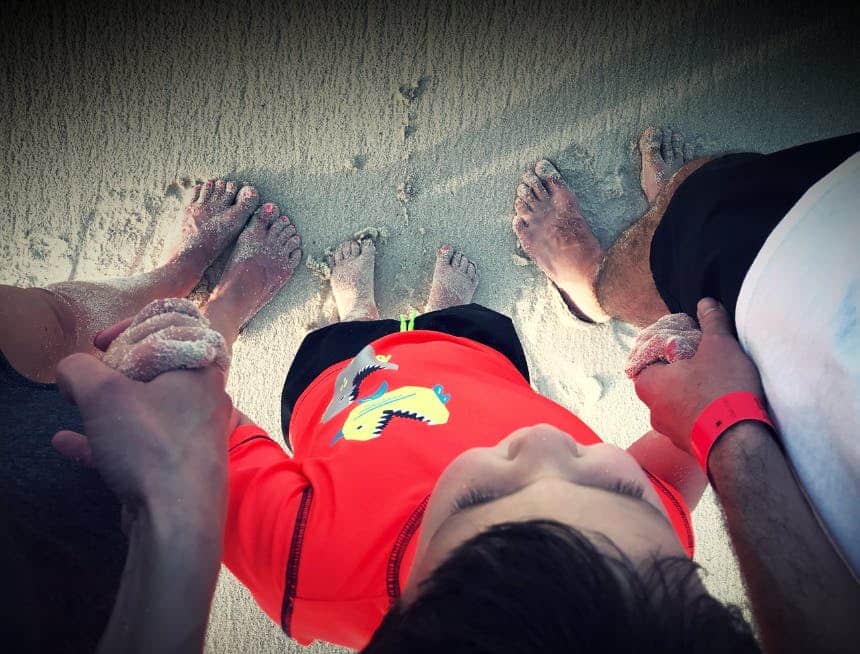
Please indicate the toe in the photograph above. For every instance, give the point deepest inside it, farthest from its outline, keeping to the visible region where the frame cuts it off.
(294, 257)
(276, 229)
(247, 199)
(666, 146)
(549, 176)
(230, 192)
(525, 194)
(355, 248)
(472, 271)
(293, 242)
(217, 197)
(649, 142)
(195, 193)
(443, 254)
(289, 227)
(268, 213)
(678, 147)
(688, 152)
(531, 180)
(206, 191)
(464, 264)
(345, 250)
(519, 225)
(368, 247)
(522, 207)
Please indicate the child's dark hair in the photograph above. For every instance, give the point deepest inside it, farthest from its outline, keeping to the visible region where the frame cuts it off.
(541, 586)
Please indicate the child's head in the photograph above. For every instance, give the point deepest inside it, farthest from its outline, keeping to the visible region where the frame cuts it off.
(539, 543)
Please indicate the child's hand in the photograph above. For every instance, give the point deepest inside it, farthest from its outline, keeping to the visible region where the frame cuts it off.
(166, 335)
(671, 338)
(678, 392)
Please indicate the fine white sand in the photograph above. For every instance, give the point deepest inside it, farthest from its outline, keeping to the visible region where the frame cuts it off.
(415, 120)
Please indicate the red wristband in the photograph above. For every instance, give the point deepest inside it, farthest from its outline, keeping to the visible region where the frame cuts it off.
(721, 414)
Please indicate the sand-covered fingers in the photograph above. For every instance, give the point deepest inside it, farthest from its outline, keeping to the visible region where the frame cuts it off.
(167, 335)
(673, 337)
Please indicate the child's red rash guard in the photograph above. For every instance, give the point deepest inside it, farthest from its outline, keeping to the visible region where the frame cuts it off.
(325, 540)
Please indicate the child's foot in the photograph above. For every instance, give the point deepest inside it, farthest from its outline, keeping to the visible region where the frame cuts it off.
(218, 211)
(554, 234)
(663, 153)
(266, 255)
(352, 269)
(454, 280)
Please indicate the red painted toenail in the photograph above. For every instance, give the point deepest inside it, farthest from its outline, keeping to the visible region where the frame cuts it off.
(269, 207)
(284, 219)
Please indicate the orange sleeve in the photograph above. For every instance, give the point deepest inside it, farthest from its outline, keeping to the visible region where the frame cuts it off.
(267, 492)
(676, 508)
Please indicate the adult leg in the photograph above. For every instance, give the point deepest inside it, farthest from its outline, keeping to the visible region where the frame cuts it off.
(38, 327)
(598, 285)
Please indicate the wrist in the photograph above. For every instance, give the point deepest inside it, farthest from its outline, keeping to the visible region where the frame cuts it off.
(182, 526)
(719, 416)
(736, 446)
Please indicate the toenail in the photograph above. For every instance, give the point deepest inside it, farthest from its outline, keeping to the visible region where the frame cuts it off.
(209, 183)
(284, 219)
(269, 207)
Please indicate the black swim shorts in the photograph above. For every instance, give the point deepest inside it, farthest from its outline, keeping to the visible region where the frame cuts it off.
(722, 214)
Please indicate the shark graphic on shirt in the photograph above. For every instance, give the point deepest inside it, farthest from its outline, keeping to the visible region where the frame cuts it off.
(373, 414)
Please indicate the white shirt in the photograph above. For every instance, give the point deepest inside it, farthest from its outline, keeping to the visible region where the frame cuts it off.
(797, 317)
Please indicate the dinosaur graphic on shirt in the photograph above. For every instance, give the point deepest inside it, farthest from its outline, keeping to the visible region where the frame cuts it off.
(370, 418)
(348, 383)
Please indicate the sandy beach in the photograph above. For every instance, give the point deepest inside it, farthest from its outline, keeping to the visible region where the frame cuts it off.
(414, 119)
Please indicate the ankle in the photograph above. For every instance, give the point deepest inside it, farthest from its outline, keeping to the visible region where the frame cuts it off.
(359, 313)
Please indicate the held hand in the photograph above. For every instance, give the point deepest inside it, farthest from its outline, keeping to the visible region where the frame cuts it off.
(677, 393)
(165, 335)
(159, 445)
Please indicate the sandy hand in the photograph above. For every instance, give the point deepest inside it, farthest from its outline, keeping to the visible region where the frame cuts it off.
(167, 335)
(672, 338)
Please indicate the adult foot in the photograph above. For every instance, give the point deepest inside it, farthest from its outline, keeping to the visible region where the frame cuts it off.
(352, 270)
(217, 212)
(664, 152)
(266, 255)
(553, 233)
(454, 280)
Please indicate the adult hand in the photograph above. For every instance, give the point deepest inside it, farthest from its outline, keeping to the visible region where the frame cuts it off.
(678, 392)
(160, 446)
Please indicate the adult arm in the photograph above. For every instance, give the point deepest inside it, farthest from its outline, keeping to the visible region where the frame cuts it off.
(167, 586)
(161, 447)
(804, 597)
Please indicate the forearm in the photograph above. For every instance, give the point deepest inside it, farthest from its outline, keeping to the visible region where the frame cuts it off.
(659, 456)
(804, 597)
(167, 586)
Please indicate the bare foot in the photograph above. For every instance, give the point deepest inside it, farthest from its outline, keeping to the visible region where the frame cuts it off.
(266, 255)
(554, 234)
(663, 154)
(352, 271)
(218, 211)
(454, 280)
